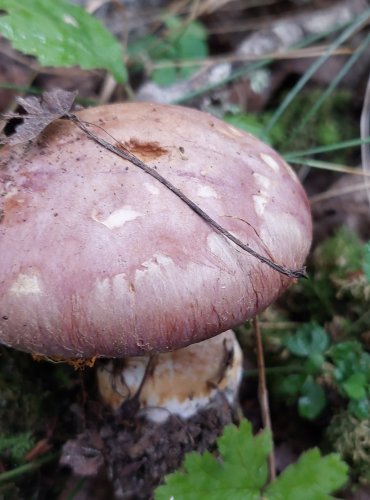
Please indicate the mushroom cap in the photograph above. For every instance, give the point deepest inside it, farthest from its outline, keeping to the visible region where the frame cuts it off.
(100, 259)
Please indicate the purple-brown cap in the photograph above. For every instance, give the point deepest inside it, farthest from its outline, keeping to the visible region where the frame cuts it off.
(100, 259)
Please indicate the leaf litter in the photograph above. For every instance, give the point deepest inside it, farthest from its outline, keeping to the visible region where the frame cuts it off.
(39, 114)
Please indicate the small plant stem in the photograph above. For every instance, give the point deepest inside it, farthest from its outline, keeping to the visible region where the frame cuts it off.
(365, 133)
(263, 394)
(17, 472)
(326, 149)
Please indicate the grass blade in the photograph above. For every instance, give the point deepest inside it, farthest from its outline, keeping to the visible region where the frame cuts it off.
(358, 22)
(342, 73)
(327, 149)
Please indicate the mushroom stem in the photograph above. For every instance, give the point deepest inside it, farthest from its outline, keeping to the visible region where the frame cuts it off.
(177, 383)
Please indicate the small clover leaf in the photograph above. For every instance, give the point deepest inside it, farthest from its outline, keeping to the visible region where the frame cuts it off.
(314, 363)
(309, 339)
(360, 408)
(312, 401)
(355, 386)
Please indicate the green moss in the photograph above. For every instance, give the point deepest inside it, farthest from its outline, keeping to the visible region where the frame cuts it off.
(351, 439)
(337, 290)
(32, 395)
(325, 128)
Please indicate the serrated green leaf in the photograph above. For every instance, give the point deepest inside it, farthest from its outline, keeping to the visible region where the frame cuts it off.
(312, 401)
(309, 339)
(241, 472)
(203, 480)
(312, 478)
(236, 446)
(239, 475)
(61, 34)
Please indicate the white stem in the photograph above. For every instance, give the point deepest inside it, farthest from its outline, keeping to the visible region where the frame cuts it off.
(176, 383)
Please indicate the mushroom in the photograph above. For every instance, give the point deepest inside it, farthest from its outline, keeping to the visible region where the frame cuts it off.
(99, 259)
(176, 383)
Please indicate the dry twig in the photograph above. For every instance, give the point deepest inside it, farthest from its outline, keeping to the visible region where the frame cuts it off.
(263, 394)
(365, 133)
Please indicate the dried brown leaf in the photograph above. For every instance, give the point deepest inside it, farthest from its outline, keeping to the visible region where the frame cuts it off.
(40, 112)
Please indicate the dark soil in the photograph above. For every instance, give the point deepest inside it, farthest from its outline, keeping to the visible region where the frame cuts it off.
(136, 453)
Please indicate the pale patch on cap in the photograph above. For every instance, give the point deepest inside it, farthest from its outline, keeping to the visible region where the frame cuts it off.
(230, 131)
(151, 188)
(260, 200)
(114, 287)
(118, 218)
(270, 161)
(151, 265)
(222, 249)
(262, 181)
(291, 172)
(295, 242)
(26, 284)
(207, 192)
(260, 203)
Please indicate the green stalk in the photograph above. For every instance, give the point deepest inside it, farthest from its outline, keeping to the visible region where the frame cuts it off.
(326, 149)
(17, 472)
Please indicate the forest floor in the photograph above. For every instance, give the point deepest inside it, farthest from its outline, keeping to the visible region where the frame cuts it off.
(251, 64)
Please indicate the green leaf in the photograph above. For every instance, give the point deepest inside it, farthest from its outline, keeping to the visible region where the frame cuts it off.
(314, 363)
(241, 472)
(182, 42)
(240, 475)
(355, 386)
(312, 478)
(16, 446)
(237, 446)
(164, 76)
(347, 358)
(312, 401)
(309, 339)
(289, 386)
(61, 34)
(359, 408)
